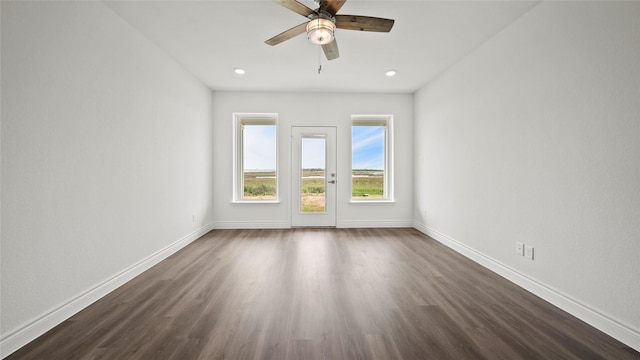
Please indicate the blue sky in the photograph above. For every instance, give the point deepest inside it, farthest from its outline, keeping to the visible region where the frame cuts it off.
(368, 147)
(260, 148)
(313, 153)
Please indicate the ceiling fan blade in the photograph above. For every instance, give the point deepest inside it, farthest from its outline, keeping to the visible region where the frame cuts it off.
(332, 6)
(363, 23)
(331, 50)
(286, 35)
(296, 7)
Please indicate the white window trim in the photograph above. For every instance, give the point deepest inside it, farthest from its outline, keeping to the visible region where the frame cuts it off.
(387, 121)
(240, 119)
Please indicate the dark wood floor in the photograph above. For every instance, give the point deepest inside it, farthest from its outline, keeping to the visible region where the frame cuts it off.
(321, 294)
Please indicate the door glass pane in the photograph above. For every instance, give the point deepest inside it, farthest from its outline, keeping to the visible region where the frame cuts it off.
(312, 177)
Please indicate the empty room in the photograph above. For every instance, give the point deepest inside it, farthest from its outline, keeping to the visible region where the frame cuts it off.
(323, 179)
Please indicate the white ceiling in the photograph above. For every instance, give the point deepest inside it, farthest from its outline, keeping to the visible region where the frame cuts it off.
(211, 38)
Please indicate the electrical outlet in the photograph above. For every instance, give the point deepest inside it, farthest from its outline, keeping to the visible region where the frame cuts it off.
(528, 251)
(520, 248)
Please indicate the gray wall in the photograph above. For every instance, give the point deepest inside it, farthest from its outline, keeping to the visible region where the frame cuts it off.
(535, 137)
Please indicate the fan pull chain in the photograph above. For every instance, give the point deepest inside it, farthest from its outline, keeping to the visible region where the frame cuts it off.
(319, 60)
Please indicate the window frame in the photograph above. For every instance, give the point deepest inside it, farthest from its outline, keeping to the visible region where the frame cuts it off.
(239, 121)
(387, 122)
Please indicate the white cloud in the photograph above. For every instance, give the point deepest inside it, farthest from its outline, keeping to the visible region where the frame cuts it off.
(368, 147)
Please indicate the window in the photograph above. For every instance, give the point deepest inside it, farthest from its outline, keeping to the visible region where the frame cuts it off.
(371, 158)
(255, 158)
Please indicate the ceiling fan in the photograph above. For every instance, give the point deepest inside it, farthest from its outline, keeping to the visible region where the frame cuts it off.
(323, 21)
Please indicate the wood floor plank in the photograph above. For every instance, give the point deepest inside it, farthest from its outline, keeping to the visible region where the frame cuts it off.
(321, 294)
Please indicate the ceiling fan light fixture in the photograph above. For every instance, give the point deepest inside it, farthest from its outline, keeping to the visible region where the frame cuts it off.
(320, 31)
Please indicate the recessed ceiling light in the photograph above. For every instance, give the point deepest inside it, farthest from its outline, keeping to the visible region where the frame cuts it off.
(390, 73)
(239, 71)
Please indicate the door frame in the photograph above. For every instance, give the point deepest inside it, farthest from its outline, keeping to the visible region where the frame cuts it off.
(313, 219)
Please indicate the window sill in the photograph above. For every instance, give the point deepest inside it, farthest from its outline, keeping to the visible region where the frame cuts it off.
(255, 202)
(372, 202)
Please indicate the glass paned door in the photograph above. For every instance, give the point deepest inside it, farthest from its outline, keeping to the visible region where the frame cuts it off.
(314, 182)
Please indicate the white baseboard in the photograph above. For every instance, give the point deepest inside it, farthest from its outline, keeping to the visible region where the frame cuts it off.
(287, 225)
(252, 225)
(27, 333)
(613, 328)
(351, 224)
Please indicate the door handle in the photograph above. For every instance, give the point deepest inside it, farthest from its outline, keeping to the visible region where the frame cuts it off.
(331, 181)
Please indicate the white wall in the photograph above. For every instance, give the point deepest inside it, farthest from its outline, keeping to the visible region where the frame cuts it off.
(309, 109)
(535, 137)
(106, 154)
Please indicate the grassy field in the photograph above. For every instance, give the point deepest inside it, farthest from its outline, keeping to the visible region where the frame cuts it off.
(260, 185)
(366, 184)
(313, 189)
